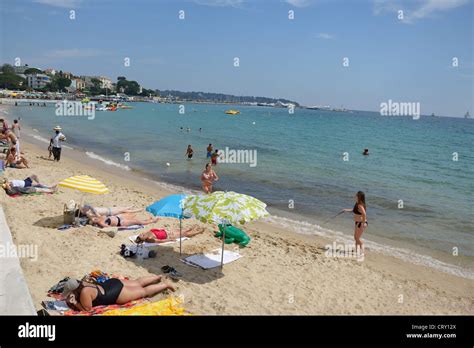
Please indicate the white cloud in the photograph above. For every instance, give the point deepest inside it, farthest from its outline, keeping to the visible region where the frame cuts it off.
(220, 3)
(325, 36)
(423, 8)
(60, 3)
(74, 53)
(299, 3)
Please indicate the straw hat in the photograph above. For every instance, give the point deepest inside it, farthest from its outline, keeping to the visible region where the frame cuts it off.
(57, 128)
(70, 286)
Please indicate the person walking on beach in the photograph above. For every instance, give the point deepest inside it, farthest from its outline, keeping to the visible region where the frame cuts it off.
(208, 177)
(189, 152)
(16, 128)
(55, 143)
(360, 219)
(209, 151)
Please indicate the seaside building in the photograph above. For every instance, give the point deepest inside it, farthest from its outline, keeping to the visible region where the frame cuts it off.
(68, 75)
(78, 84)
(20, 69)
(37, 81)
(50, 71)
(105, 82)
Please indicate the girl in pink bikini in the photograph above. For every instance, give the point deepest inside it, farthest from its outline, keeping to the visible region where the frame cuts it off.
(163, 236)
(208, 177)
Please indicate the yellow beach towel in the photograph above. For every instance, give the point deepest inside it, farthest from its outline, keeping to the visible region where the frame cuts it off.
(170, 306)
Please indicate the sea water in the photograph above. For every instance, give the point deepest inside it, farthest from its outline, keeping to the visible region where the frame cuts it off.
(418, 178)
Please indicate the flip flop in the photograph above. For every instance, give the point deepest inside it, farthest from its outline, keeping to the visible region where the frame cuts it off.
(174, 274)
(166, 269)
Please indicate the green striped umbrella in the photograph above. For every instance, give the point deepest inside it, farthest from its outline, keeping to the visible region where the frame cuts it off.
(224, 208)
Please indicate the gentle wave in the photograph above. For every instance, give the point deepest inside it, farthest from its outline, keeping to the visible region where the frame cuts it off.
(107, 161)
(40, 138)
(307, 228)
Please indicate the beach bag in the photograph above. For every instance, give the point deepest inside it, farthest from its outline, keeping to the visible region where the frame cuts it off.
(69, 213)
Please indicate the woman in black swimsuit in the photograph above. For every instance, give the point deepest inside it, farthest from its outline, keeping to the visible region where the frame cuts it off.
(83, 296)
(120, 220)
(189, 152)
(360, 219)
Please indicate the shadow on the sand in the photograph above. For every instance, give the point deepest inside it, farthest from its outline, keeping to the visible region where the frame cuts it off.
(45, 158)
(50, 222)
(167, 256)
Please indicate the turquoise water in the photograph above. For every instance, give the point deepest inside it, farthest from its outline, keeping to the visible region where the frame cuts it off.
(300, 158)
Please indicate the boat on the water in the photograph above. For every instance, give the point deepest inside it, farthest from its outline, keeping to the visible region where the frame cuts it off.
(232, 112)
(467, 115)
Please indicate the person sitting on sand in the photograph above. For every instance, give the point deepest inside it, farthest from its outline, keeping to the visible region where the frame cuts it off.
(90, 211)
(15, 160)
(208, 177)
(163, 236)
(120, 220)
(26, 186)
(83, 295)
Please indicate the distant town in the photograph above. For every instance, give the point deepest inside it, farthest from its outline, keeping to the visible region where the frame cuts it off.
(24, 81)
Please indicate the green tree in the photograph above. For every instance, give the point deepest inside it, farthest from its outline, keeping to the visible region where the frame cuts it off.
(32, 71)
(58, 84)
(8, 78)
(8, 69)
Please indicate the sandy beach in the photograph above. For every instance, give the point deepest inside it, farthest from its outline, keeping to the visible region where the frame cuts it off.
(280, 272)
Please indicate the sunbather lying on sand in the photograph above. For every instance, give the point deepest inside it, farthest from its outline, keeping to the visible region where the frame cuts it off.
(90, 211)
(83, 296)
(27, 186)
(120, 220)
(163, 236)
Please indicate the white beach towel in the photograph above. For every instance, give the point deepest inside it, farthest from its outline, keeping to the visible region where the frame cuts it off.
(148, 245)
(211, 259)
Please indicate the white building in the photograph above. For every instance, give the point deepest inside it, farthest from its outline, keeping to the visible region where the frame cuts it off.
(105, 82)
(50, 71)
(37, 81)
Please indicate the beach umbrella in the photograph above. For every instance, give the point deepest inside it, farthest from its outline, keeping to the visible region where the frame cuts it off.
(84, 183)
(169, 206)
(224, 208)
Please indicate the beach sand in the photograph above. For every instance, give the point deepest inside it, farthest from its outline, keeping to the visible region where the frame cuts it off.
(280, 272)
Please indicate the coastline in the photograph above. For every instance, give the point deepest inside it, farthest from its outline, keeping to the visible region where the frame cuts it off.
(280, 272)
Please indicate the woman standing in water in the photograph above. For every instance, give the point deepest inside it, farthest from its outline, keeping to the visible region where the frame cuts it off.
(208, 177)
(360, 219)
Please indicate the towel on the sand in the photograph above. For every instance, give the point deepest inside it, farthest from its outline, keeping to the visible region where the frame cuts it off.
(132, 227)
(149, 245)
(99, 310)
(19, 194)
(211, 259)
(170, 306)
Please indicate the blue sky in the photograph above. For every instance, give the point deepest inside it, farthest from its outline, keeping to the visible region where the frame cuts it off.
(407, 60)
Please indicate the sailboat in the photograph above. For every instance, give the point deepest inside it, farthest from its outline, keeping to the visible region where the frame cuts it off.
(467, 115)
